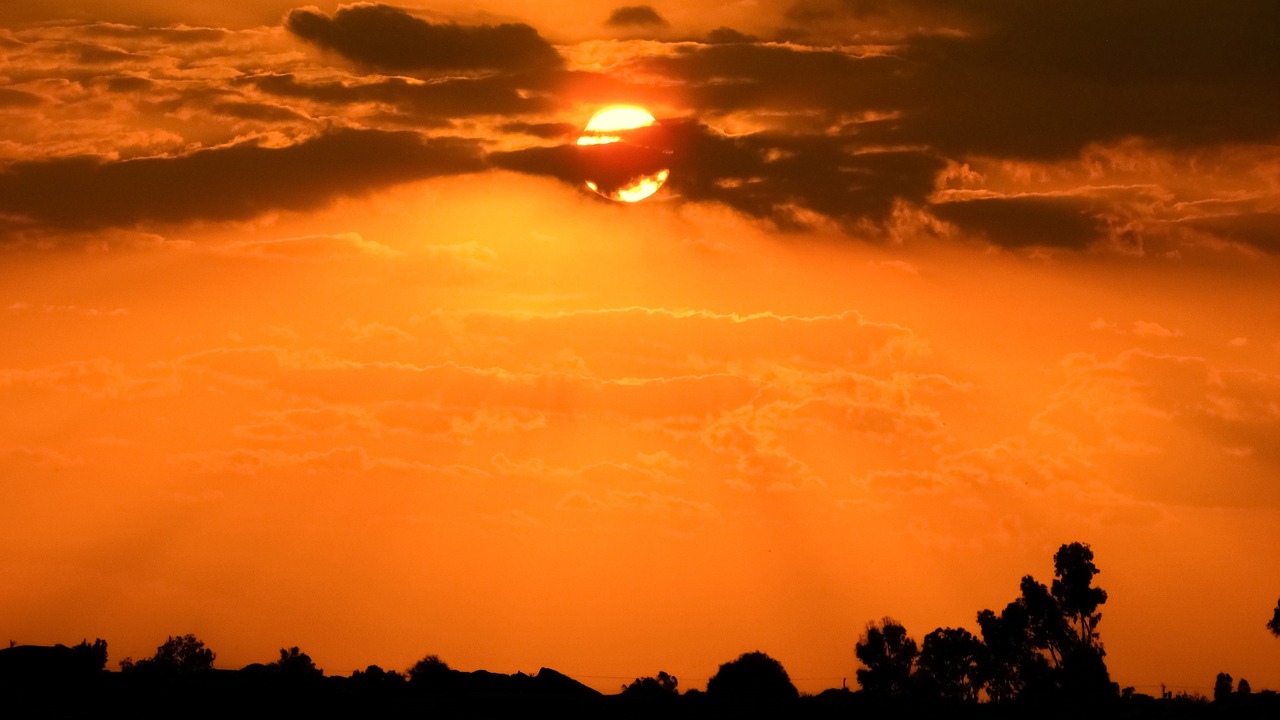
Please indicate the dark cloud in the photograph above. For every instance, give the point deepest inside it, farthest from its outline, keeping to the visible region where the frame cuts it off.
(18, 98)
(261, 112)
(775, 177)
(228, 183)
(726, 35)
(1029, 80)
(391, 39)
(442, 99)
(635, 16)
(546, 131)
(128, 83)
(94, 54)
(1044, 79)
(1014, 222)
(175, 34)
(1260, 229)
(744, 76)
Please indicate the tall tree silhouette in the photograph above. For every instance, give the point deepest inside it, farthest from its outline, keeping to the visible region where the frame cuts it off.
(1074, 591)
(1274, 625)
(888, 655)
(1046, 643)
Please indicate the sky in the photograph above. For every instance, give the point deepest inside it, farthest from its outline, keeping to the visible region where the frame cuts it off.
(313, 334)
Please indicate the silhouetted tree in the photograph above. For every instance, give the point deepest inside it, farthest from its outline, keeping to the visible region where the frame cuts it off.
(662, 686)
(429, 671)
(1013, 664)
(1274, 625)
(1050, 630)
(753, 679)
(90, 657)
(950, 664)
(1243, 688)
(184, 654)
(1222, 688)
(1074, 591)
(294, 663)
(888, 655)
(374, 676)
(1046, 642)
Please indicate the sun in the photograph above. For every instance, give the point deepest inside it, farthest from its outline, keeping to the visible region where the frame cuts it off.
(634, 170)
(603, 126)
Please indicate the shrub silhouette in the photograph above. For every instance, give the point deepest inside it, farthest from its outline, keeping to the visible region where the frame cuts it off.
(656, 688)
(375, 675)
(181, 655)
(753, 679)
(294, 663)
(430, 671)
(90, 657)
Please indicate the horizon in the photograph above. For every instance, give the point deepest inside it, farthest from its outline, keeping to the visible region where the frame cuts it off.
(316, 335)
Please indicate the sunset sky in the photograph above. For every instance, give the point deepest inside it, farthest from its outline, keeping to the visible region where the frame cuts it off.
(313, 335)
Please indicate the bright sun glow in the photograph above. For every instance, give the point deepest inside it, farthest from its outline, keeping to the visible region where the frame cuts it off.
(609, 120)
(603, 129)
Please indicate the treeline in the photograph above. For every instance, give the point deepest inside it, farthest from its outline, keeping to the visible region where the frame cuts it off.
(1042, 648)
(1039, 656)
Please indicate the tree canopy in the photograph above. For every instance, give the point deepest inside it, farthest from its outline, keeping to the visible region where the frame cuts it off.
(184, 654)
(295, 664)
(661, 686)
(1043, 646)
(753, 678)
(887, 654)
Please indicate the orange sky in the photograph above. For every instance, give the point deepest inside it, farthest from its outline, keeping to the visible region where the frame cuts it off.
(315, 338)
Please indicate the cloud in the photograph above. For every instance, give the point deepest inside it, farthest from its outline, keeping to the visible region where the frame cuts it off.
(1012, 79)
(228, 183)
(17, 98)
(308, 248)
(775, 176)
(178, 34)
(546, 131)
(262, 112)
(635, 16)
(390, 38)
(785, 78)
(1178, 429)
(1045, 79)
(725, 35)
(440, 100)
(1025, 221)
(1259, 229)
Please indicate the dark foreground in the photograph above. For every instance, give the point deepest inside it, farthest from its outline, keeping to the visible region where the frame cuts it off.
(257, 692)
